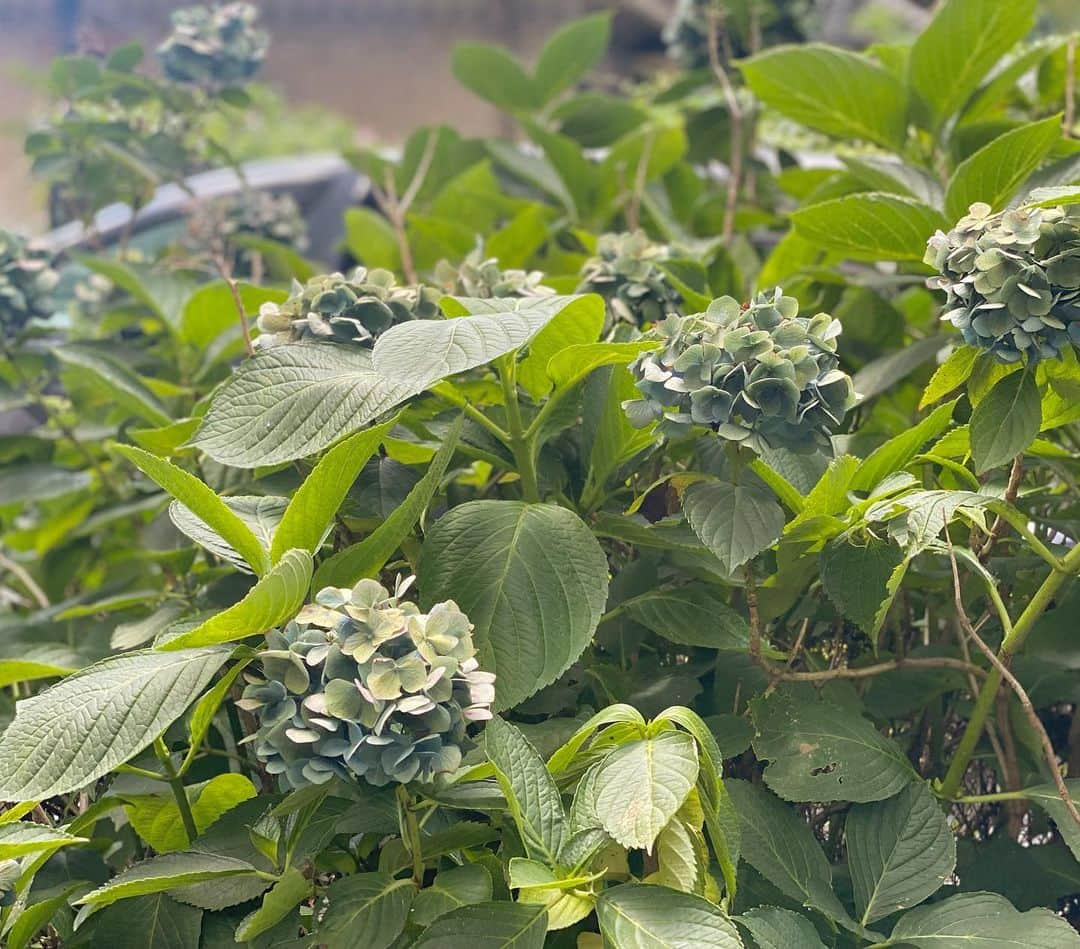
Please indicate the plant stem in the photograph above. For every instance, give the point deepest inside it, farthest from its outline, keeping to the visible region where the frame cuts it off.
(179, 792)
(519, 442)
(1013, 640)
(411, 832)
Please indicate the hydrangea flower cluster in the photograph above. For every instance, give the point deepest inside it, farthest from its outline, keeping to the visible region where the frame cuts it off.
(626, 272)
(481, 276)
(1012, 279)
(357, 308)
(27, 282)
(362, 684)
(213, 47)
(759, 375)
(261, 214)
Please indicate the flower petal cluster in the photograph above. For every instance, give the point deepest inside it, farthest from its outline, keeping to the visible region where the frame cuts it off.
(27, 282)
(758, 374)
(247, 213)
(1012, 280)
(626, 272)
(479, 275)
(357, 308)
(213, 47)
(362, 684)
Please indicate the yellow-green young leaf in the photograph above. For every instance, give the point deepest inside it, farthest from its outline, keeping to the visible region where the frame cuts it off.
(996, 170)
(275, 598)
(203, 502)
(87, 724)
(260, 512)
(202, 715)
(38, 662)
(574, 363)
(576, 325)
(831, 90)
(950, 375)
(123, 386)
(565, 900)
(371, 240)
(276, 905)
(366, 911)
(1006, 422)
(870, 226)
(167, 439)
(642, 916)
(20, 838)
(898, 451)
(211, 309)
(165, 873)
(312, 509)
(156, 817)
(965, 40)
(368, 557)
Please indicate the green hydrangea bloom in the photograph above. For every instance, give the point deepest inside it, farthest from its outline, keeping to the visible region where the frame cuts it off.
(481, 276)
(213, 47)
(216, 224)
(626, 272)
(27, 282)
(759, 375)
(357, 308)
(362, 684)
(1012, 280)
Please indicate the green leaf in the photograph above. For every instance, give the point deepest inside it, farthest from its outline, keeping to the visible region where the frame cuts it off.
(950, 375)
(570, 52)
(735, 521)
(370, 238)
(276, 905)
(261, 513)
(368, 557)
(900, 851)
(883, 373)
(639, 786)
(451, 889)
(1006, 422)
(775, 928)
(642, 916)
(997, 169)
(818, 751)
(897, 452)
(780, 845)
(163, 292)
(202, 502)
(609, 441)
(211, 309)
(870, 226)
(691, 615)
(531, 578)
(831, 90)
(574, 363)
(311, 511)
(38, 662)
(493, 74)
(487, 926)
(275, 598)
(530, 790)
(125, 388)
(965, 40)
(856, 577)
(164, 873)
(20, 484)
(35, 917)
(98, 718)
(155, 921)
(20, 838)
(156, 817)
(986, 920)
(576, 325)
(367, 911)
(1048, 798)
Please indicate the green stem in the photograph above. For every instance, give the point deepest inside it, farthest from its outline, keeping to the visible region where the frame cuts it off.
(519, 442)
(179, 792)
(411, 832)
(1013, 640)
(991, 798)
(447, 393)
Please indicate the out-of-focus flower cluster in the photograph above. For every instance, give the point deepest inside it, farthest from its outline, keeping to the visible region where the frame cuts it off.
(357, 308)
(27, 282)
(213, 47)
(1012, 279)
(362, 684)
(259, 214)
(759, 375)
(479, 275)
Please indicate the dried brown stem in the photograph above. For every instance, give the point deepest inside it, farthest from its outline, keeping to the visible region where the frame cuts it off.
(1000, 525)
(755, 616)
(865, 672)
(633, 208)
(19, 571)
(226, 274)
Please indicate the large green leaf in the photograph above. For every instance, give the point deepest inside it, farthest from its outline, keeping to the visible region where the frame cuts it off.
(986, 920)
(831, 90)
(531, 577)
(293, 887)
(370, 238)
(965, 40)
(775, 928)
(1048, 798)
(367, 911)
(20, 838)
(897, 452)
(162, 291)
(900, 851)
(260, 512)
(780, 845)
(608, 438)
(691, 615)
(818, 751)
(311, 511)
(856, 577)
(452, 888)
(735, 521)
(368, 557)
(211, 309)
(639, 786)
(870, 226)
(576, 325)
(642, 916)
(156, 817)
(1006, 421)
(124, 387)
(574, 363)
(494, 75)
(156, 921)
(166, 872)
(203, 503)
(997, 169)
(273, 600)
(40, 482)
(570, 52)
(96, 719)
(530, 790)
(487, 926)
